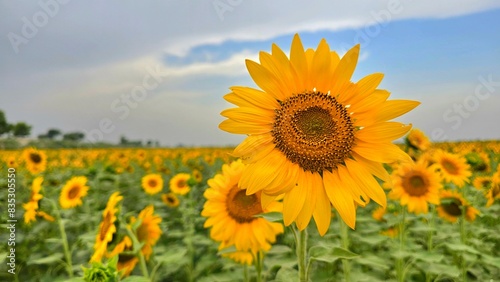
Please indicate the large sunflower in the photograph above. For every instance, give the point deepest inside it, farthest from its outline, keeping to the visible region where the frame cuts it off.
(179, 184)
(152, 183)
(73, 192)
(35, 160)
(416, 185)
(313, 134)
(453, 168)
(451, 206)
(107, 228)
(149, 231)
(231, 213)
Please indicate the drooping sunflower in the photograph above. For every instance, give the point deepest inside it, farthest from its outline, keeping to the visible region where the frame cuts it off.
(107, 228)
(179, 184)
(152, 183)
(314, 135)
(73, 192)
(35, 160)
(149, 231)
(31, 207)
(493, 194)
(453, 168)
(418, 140)
(416, 185)
(170, 199)
(231, 213)
(451, 206)
(126, 261)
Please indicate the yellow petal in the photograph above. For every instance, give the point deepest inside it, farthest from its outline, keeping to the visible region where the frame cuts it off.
(381, 152)
(246, 96)
(340, 197)
(366, 182)
(342, 74)
(375, 168)
(394, 108)
(322, 212)
(299, 62)
(383, 132)
(250, 115)
(305, 214)
(232, 126)
(252, 143)
(292, 204)
(265, 80)
(320, 70)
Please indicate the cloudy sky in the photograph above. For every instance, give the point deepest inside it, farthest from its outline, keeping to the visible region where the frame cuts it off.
(158, 70)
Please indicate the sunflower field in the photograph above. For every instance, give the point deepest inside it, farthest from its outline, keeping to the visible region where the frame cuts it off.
(174, 215)
(317, 191)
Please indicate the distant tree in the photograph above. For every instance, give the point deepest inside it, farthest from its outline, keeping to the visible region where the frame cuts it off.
(42, 137)
(53, 133)
(21, 129)
(74, 136)
(4, 126)
(123, 140)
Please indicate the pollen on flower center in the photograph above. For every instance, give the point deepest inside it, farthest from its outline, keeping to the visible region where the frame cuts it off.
(242, 207)
(314, 131)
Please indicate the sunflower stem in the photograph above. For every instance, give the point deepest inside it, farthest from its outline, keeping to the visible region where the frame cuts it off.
(400, 260)
(245, 273)
(463, 240)
(345, 244)
(187, 218)
(64, 239)
(301, 249)
(258, 265)
(428, 276)
(138, 253)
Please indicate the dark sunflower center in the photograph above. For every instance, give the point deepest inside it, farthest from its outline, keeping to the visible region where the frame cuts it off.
(453, 207)
(415, 184)
(170, 199)
(152, 183)
(142, 232)
(242, 207)
(450, 167)
(106, 224)
(314, 131)
(73, 192)
(495, 191)
(35, 158)
(181, 183)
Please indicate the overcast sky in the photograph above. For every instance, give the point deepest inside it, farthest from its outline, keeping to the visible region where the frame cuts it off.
(158, 69)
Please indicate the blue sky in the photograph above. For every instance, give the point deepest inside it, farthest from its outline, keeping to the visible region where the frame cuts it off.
(74, 71)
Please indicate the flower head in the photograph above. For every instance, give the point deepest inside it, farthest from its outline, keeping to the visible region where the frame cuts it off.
(73, 192)
(313, 135)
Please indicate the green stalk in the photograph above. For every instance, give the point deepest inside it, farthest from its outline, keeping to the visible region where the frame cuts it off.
(138, 252)
(301, 250)
(400, 261)
(64, 239)
(258, 265)
(428, 276)
(245, 273)
(463, 240)
(345, 244)
(187, 218)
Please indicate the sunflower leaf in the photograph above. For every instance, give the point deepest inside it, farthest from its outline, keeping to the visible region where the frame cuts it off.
(321, 253)
(46, 260)
(271, 216)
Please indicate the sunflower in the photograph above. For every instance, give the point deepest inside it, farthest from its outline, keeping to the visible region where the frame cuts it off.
(378, 214)
(416, 185)
(391, 232)
(482, 183)
(36, 161)
(149, 231)
(478, 161)
(453, 168)
(73, 192)
(313, 135)
(231, 213)
(31, 207)
(126, 260)
(451, 207)
(152, 183)
(45, 216)
(493, 194)
(418, 140)
(170, 199)
(197, 176)
(107, 228)
(179, 185)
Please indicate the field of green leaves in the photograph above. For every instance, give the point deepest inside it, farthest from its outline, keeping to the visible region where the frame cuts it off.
(92, 214)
